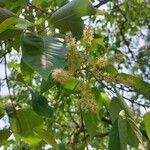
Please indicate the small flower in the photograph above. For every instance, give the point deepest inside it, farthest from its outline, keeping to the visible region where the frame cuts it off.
(88, 35)
(88, 102)
(70, 41)
(115, 58)
(60, 75)
(101, 63)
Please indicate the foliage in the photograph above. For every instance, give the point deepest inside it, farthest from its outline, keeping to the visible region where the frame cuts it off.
(77, 74)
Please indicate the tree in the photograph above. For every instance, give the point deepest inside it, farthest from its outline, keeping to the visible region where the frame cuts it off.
(77, 75)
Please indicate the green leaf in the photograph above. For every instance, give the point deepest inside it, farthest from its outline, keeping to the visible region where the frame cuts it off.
(116, 105)
(122, 129)
(43, 53)
(2, 111)
(23, 124)
(8, 23)
(98, 97)
(14, 22)
(10, 33)
(23, 24)
(147, 123)
(4, 14)
(4, 135)
(20, 78)
(118, 133)
(47, 136)
(68, 17)
(114, 109)
(70, 85)
(100, 12)
(46, 85)
(134, 134)
(114, 141)
(106, 99)
(40, 105)
(26, 71)
(137, 83)
(91, 120)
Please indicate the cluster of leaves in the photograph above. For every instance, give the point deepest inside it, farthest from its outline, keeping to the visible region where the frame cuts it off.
(76, 112)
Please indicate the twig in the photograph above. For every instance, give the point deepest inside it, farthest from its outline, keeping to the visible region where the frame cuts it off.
(7, 82)
(100, 135)
(143, 105)
(101, 3)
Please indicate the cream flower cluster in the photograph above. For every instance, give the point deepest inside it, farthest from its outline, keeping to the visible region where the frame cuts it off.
(60, 75)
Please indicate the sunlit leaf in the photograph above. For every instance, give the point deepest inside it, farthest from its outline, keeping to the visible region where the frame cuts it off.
(23, 124)
(147, 123)
(4, 135)
(47, 136)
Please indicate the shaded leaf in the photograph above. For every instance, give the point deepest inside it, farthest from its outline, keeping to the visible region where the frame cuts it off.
(4, 14)
(68, 17)
(40, 105)
(26, 71)
(91, 120)
(43, 53)
(118, 133)
(134, 134)
(114, 141)
(122, 129)
(46, 85)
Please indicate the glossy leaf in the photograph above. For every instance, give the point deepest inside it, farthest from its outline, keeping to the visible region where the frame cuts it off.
(68, 17)
(40, 105)
(43, 54)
